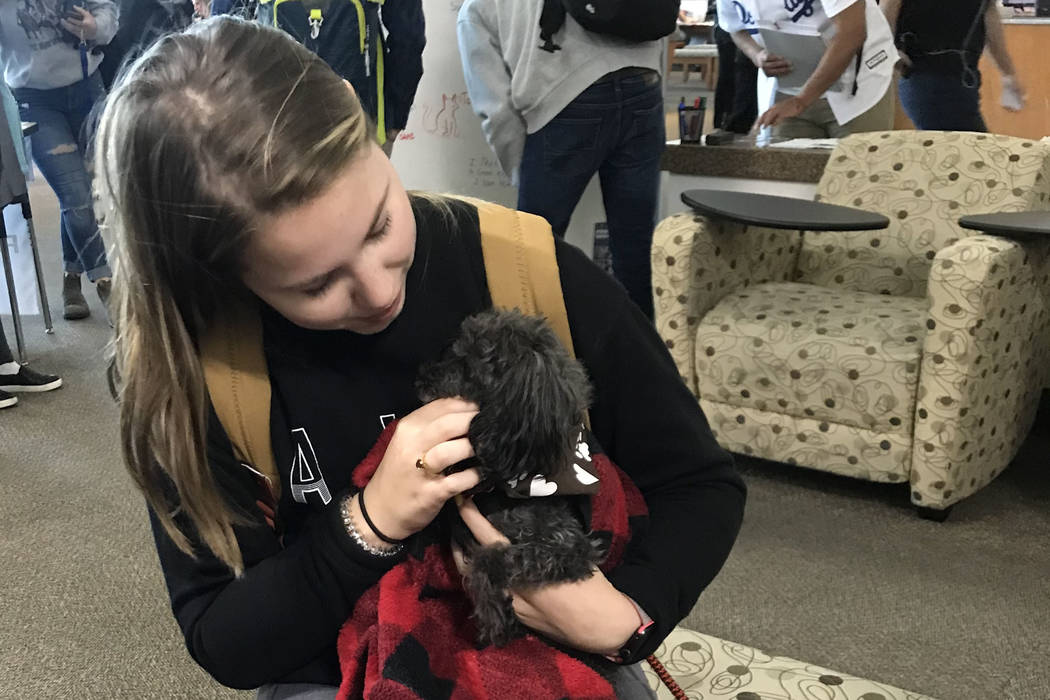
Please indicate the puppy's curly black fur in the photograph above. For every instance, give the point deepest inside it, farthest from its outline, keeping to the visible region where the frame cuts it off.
(532, 397)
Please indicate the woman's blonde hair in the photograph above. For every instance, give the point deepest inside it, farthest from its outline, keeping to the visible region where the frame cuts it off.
(207, 135)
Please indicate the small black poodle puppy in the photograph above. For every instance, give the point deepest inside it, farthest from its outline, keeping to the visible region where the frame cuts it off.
(529, 441)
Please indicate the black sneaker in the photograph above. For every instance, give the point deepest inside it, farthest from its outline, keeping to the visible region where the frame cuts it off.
(28, 380)
(7, 400)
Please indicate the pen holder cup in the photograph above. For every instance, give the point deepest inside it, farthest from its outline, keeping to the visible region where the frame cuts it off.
(691, 124)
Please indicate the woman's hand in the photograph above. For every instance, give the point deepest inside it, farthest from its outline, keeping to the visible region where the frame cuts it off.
(589, 615)
(904, 63)
(391, 137)
(408, 488)
(80, 23)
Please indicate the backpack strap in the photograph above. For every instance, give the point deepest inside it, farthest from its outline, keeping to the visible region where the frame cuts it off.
(521, 267)
(239, 385)
(551, 21)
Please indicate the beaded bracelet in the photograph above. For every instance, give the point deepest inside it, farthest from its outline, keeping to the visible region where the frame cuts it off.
(351, 530)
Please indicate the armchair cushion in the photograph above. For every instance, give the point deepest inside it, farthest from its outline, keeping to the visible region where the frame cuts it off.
(696, 261)
(848, 358)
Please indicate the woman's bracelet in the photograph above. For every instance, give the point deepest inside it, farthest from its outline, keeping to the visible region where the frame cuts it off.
(368, 520)
(355, 535)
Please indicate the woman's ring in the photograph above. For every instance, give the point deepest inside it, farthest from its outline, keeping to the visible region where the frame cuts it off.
(421, 463)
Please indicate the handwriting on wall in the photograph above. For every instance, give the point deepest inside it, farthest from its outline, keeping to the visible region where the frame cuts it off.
(485, 171)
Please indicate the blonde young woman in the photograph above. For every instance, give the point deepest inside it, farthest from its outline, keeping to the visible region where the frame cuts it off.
(238, 166)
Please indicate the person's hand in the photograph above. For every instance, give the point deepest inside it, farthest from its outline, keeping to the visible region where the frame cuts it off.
(391, 136)
(1013, 96)
(785, 109)
(589, 615)
(408, 488)
(904, 63)
(81, 24)
(772, 65)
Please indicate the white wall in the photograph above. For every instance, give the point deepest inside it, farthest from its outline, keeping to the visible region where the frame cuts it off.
(442, 148)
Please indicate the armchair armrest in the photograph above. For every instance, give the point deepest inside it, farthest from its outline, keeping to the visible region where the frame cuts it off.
(697, 261)
(983, 365)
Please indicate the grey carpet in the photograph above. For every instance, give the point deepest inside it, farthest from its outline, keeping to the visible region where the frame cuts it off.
(827, 570)
(84, 609)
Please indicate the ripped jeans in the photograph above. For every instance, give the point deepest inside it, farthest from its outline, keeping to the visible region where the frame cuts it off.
(59, 148)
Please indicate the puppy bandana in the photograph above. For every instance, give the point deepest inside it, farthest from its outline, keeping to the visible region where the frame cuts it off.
(578, 477)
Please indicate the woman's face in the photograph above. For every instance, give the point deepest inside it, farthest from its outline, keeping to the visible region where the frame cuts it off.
(339, 262)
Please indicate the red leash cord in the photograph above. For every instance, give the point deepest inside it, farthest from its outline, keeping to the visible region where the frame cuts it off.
(676, 690)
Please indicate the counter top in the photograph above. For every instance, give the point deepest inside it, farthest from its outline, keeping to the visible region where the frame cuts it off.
(746, 161)
(1026, 20)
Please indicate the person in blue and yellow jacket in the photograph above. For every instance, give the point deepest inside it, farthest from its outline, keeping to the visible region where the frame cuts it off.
(348, 36)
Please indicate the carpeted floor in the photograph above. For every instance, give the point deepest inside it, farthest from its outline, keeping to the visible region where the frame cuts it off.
(830, 571)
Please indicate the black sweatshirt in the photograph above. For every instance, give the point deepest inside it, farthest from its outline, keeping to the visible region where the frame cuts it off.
(334, 391)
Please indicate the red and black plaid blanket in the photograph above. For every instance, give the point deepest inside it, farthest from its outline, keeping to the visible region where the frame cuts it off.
(411, 638)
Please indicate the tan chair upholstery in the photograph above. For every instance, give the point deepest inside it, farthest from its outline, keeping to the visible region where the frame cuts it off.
(708, 667)
(914, 354)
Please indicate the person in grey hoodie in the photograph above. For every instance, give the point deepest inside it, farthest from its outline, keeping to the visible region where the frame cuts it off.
(557, 112)
(50, 55)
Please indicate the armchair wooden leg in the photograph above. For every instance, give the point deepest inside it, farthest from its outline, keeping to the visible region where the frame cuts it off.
(938, 516)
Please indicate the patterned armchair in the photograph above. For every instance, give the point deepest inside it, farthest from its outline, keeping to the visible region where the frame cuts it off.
(914, 354)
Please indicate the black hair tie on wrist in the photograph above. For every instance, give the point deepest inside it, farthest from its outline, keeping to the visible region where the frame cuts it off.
(368, 520)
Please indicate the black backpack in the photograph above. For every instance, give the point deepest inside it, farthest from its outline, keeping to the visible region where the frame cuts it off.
(634, 20)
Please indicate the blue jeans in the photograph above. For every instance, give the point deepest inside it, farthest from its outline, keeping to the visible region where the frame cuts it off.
(614, 128)
(59, 147)
(941, 102)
